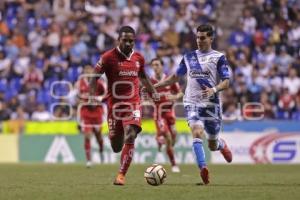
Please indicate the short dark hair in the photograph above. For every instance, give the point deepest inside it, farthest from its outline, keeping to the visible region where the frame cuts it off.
(126, 29)
(157, 59)
(206, 28)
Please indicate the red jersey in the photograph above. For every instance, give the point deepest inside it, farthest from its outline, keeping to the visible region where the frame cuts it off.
(84, 89)
(165, 91)
(122, 74)
(90, 111)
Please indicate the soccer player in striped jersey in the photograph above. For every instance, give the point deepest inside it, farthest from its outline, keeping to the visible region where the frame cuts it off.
(207, 74)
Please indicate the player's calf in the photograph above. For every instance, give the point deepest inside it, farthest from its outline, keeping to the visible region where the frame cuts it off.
(213, 145)
(220, 145)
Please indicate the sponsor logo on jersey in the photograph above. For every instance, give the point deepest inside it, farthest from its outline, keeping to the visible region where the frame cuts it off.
(128, 73)
(199, 74)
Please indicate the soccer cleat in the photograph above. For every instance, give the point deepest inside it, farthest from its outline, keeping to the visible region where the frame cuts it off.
(175, 169)
(120, 179)
(204, 175)
(226, 153)
(88, 164)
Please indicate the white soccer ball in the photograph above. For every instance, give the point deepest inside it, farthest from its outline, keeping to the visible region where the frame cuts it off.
(155, 175)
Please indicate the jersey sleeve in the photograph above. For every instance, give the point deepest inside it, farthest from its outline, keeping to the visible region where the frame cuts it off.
(223, 68)
(142, 63)
(100, 66)
(181, 70)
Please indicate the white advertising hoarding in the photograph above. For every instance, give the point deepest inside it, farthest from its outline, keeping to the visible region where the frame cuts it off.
(254, 147)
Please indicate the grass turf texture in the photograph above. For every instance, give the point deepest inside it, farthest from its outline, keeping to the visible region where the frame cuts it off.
(57, 181)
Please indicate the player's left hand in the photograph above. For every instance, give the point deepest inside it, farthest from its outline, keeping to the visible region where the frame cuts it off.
(207, 92)
(156, 96)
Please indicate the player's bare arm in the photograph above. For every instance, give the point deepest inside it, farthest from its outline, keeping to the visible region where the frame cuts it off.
(146, 82)
(174, 97)
(168, 81)
(93, 83)
(223, 85)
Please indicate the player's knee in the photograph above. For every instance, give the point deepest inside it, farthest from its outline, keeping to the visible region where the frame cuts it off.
(87, 135)
(130, 137)
(213, 145)
(198, 133)
(130, 134)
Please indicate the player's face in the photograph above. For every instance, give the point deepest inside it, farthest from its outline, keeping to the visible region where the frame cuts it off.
(157, 67)
(203, 41)
(88, 70)
(126, 42)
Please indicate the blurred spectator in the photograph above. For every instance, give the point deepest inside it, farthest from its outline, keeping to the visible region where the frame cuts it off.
(98, 9)
(4, 111)
(44, 6)
(33, 78)
(296, 112)
(61, 10)
(5, 65)
(22, 63)
(42, 41)
(283, 61)
(30, 103)
(14, 103)
(18, 120)
(292, 82)
(248, 21)
(286, 104)
(41, 114)
(268, 107)
(239, 38)
(231, 113)
(158, 25)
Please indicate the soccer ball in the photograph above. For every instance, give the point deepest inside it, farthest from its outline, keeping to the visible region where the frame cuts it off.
(155, 175)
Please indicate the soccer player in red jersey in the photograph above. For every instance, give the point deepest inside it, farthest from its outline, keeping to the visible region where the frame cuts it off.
(164, 116)
(90, 114)
(123, 68)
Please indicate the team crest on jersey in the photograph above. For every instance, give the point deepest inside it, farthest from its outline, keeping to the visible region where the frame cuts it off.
(193, 62)
(137, 64)
(203, 59)
(213, 60)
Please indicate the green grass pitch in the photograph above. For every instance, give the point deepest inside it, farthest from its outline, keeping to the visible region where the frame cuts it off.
(74, 181)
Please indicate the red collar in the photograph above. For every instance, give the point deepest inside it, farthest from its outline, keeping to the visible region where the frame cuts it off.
(127, 58)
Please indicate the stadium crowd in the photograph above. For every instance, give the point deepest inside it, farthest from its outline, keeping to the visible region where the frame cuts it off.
(44, 41)
(264, 53)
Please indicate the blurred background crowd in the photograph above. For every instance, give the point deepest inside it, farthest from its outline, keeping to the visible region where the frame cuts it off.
(45, 41)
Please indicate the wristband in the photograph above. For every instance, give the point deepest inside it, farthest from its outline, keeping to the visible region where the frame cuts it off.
(215, 89)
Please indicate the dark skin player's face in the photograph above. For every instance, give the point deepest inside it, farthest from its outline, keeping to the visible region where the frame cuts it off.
(126, 42)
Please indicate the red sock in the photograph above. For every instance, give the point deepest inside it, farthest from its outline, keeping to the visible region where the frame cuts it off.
(126, 157)
(170, 153)
(87, 148)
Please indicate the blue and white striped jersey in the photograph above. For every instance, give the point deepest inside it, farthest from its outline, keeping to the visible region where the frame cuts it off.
(202, 69)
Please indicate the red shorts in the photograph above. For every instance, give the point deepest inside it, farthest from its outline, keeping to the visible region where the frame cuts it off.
(90, 118)
(122, 115)
(163, 125)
